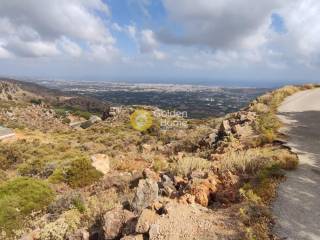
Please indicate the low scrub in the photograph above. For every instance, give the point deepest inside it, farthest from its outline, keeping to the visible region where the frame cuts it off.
(266, 107)
(19, 198)
(79, 173)
(186, 165)
(253, 160)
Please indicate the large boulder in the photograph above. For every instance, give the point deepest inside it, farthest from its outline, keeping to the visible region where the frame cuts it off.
(147, 191)
(118, 222)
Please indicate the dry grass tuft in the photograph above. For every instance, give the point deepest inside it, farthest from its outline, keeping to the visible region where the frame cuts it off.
(186, 165)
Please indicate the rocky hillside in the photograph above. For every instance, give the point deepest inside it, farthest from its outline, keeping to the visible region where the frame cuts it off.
(197, 179)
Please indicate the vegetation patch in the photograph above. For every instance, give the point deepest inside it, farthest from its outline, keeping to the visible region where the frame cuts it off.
(186, 165)
(19, 198)
(79, 173)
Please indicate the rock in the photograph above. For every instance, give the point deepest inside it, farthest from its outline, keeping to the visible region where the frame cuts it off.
(101, 162)
(213, 137)
(187, 199)
(117, 222)
(80, 234)
(95, 119)
(225, 128)
(146, 219)
(147, 147)
(205, 190)
(198, 175)
(133, 237)
(201, 194)
(34, 235)
(154, 232)
(106, 114)
(229, 191)
(148, 173)
(209, 140)
(146, 193)
(179, 180)
(167, 186)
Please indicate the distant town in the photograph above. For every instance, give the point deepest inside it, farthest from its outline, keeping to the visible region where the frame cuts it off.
(197, 101)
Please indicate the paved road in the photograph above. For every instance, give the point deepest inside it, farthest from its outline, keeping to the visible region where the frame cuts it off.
(297, 208)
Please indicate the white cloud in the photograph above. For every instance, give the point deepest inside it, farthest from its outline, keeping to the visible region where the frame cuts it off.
(302, 40)
(219, 24)
(4, 53)
(36, 28)
(148, 41)
(70, 47)
(132, 31)
(159, 55)
(105, 53)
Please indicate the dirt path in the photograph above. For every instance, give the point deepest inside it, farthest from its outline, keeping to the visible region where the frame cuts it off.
(297, 208)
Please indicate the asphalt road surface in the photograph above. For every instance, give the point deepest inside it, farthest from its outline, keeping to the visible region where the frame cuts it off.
(297, 207)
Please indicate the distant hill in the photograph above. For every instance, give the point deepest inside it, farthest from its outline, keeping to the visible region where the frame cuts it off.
(11, 89)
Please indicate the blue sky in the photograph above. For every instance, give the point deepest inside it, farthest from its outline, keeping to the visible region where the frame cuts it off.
(273, 41)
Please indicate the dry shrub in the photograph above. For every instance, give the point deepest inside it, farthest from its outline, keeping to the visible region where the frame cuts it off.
(186, 165)
(260, 108)
(286, 159)
(66, 224)
(256, 159)
(160, 164)
(98, 205)
(247, 161)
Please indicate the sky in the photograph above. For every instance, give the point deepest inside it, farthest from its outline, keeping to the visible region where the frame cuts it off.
(243, 41)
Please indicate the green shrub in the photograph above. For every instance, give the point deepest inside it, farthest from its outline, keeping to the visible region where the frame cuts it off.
(66, 121)
(60, 112)
(86, 124)
(85, 115)
(36, 101)
(79, 173)
(20, 197)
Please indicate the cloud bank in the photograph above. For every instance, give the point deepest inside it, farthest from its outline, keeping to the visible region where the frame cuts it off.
(208, 38)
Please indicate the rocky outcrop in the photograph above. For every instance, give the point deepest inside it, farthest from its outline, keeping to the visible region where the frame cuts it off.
(147, 191)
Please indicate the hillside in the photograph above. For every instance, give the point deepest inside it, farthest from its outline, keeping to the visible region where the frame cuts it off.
(194, 179)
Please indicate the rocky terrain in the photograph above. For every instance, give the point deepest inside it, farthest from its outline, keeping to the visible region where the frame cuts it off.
(213, 179)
